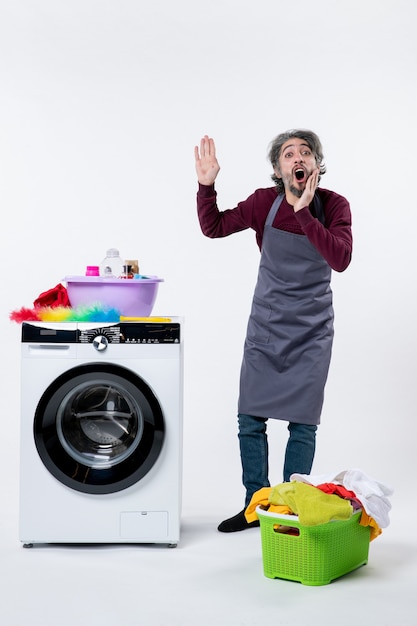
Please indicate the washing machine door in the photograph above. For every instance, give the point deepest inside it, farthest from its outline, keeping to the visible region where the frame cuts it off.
(99, 428)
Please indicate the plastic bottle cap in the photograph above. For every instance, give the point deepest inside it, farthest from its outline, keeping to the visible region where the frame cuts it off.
(112, 252)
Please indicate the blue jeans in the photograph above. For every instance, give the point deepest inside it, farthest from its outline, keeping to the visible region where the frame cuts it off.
(253, 443)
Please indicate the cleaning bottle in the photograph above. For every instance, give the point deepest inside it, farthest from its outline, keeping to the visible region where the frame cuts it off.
(127, 272)
(92, 270)
(112, 264)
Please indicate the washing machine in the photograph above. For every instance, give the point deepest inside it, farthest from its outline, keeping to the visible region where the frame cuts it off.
(101, 432)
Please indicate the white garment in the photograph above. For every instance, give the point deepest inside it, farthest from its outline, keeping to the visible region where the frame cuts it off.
(370, 492)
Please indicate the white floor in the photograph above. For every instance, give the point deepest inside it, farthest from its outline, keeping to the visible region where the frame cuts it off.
(210, 578)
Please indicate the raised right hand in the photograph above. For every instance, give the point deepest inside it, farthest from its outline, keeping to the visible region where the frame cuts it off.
(308, 194)
(206, 164)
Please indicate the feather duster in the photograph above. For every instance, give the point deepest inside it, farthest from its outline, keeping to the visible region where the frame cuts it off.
(90, 313)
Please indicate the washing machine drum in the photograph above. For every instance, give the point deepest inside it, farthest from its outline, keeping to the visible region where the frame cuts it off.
(99, 428)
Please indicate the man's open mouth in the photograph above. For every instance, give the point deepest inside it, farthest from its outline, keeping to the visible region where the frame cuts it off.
(299, 174)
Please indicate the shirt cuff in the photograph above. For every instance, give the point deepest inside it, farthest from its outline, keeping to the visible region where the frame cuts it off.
(206, 191)
(304, 217)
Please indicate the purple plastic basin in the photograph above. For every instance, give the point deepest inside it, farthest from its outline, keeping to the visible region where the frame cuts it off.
(134, 297)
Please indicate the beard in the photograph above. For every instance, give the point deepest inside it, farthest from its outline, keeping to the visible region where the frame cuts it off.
(296, 191)
(288, 184)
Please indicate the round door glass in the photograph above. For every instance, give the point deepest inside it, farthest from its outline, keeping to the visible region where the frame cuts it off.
(99, 428)
(99, 424)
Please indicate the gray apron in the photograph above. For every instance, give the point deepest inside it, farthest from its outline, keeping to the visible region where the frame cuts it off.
(290, 331)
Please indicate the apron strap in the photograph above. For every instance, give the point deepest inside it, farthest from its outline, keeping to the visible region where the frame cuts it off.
(274, 209)
(317, 208)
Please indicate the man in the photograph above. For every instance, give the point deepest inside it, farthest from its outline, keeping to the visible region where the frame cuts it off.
(303, 233)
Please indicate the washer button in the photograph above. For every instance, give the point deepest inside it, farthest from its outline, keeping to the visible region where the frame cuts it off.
(100, 343)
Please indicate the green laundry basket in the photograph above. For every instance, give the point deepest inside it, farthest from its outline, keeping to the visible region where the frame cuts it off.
(312, 555)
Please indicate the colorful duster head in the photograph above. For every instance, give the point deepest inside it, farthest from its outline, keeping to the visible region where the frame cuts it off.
(91, 313)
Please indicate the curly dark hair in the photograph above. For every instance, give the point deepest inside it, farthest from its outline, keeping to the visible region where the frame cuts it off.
(276, 144)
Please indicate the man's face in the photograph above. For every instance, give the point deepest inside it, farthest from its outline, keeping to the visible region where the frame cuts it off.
(295, 164)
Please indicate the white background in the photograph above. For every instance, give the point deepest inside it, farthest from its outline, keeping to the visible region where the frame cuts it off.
(101, 104)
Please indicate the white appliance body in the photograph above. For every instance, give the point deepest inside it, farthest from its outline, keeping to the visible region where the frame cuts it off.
(101, 433)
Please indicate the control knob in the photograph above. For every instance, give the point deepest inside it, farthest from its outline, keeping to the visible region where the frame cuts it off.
(100, 342)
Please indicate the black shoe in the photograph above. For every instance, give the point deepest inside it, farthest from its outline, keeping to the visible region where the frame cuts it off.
(236, 523)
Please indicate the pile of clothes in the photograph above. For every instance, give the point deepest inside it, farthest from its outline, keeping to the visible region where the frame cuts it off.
(327, 497)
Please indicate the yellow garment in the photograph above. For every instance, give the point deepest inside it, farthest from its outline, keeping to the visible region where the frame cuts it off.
(367, 520)
(261, 498)
(312, 505)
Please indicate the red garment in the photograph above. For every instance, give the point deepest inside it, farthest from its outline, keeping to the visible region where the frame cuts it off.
(57, 296)
(333, 240)
(338, 490)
